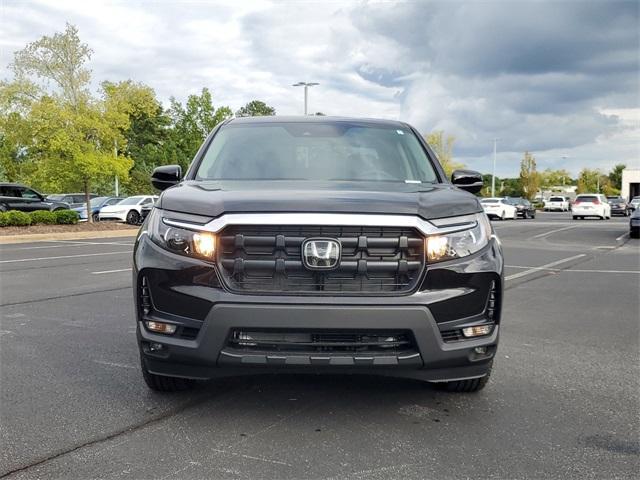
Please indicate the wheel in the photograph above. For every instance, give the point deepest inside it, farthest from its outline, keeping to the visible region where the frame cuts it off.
(133, 217)
(95, 217)
(160, 383)
(533, 215)
(575, 217)
(470, 385)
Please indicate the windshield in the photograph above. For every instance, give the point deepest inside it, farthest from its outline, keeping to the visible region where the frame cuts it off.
(556, 199)
(316, 151)
(130, 201)
(96, 202)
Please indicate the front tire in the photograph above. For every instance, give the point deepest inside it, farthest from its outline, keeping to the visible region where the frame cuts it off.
(160, 383)
(95, 217)
(133, 217)
(470, 385)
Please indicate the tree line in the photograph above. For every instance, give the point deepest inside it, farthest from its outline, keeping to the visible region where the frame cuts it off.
(58, 136)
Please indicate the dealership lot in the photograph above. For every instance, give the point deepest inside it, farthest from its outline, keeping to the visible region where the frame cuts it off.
(562, 403)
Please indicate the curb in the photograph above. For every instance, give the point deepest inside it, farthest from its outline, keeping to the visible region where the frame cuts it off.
(43, 237)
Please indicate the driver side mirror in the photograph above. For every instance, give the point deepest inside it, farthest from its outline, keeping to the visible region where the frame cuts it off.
(468, 180)
(166, 176)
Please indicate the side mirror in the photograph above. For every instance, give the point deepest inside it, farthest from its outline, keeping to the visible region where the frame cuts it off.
(468, 180)
(166, 176)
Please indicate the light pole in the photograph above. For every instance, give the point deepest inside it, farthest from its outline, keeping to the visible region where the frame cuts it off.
(493, 175)
(306, 86)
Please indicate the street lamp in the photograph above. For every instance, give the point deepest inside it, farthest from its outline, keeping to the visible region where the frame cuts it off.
(493, 176)
(306, 86)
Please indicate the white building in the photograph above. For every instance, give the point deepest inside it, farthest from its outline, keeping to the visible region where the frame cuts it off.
(630, 183)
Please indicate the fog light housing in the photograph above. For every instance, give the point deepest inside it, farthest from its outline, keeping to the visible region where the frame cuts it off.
(161, 327)
(477, 331)
(480, 350)
(155, 347)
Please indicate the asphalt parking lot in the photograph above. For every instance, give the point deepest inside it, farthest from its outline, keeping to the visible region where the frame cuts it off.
(563, 401)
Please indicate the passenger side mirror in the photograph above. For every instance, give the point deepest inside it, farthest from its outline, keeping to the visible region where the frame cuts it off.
(468, 180)
(166, 176)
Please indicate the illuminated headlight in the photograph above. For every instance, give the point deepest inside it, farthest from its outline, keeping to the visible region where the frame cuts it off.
(459, 244)
(182, 241)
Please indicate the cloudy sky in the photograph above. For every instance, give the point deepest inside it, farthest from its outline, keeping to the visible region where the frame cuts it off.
(560, 79)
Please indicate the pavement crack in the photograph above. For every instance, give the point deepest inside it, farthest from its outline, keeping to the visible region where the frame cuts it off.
(105, 438)
(79, 294)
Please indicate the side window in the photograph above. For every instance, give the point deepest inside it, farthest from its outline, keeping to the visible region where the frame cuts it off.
(78, 199)
(113, 201)
(28, 193)
(7, 191)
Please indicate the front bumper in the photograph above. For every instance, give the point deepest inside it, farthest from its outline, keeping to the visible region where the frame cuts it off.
(188, 293)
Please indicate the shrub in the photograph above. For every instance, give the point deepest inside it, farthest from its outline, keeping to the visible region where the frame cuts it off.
(17, 219)
(66, 217)
(4, 221)
(43, 216)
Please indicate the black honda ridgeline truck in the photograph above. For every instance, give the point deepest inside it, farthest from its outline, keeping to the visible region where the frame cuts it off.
(317, 245)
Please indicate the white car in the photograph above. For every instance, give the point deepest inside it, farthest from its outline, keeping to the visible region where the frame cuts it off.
(635, 203)
(591, 205)
(499, 208)
(557, 203)
(128, 210)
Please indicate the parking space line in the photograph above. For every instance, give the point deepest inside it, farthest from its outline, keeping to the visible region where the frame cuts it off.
(621, 237)
(545, 234)
(112, 271)
(574, 270)
(128, 252)
(542, 267)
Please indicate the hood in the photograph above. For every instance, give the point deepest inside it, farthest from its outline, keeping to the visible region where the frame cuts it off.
(212, 199)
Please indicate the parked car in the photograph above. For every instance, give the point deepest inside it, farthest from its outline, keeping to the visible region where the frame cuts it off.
(96, 204)
(145, 211)
(591, 205)
(499, 208)
(14, 196)
(72, 199)
(260, 261)
(634, 224)
(127, 210)
(619, 206)
(557, 203)
(524, 207)
(634, 203)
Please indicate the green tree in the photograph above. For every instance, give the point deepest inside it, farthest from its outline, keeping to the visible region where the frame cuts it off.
(256, 108)
(146, 130)
(588, 181)
(615, 176)
(511, 187)
(59, 135)
(443, 148)
(190, 125)
(529, 177)
(553, 178)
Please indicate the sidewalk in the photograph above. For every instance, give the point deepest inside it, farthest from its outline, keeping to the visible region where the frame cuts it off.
(43, 237)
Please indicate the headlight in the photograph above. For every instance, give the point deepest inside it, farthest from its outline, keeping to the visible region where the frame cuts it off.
(191, 243)
(459, 244)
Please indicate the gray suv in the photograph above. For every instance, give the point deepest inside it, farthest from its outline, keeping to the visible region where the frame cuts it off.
(14, 196)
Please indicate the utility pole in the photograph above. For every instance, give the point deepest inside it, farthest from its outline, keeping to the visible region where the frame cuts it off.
(115, 154)
(493, 175)
(306, 86)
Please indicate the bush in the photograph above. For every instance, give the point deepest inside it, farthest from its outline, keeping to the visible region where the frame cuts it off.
(4, 221)
(44, 217)
(66, 217)
(17, 219)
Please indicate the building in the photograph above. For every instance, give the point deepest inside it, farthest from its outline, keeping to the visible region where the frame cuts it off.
(630, 183)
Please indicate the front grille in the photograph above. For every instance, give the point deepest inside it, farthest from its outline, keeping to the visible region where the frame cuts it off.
(322, 341)
(268, 259)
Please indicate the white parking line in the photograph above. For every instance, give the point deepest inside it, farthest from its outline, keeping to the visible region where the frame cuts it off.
(128, 252)
(111, 271)
(622, 236)
(545, 234)
(542, 267)
(114, 364)
(575, 270)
